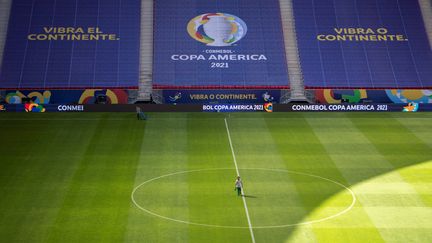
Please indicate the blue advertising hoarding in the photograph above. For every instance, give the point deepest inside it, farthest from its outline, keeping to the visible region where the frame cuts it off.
(88, 96)
(363, 44)
(223, 43)
(266, 107)
(72, 44)
(221, 96)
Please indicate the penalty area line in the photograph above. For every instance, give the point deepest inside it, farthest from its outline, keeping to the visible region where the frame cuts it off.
(238, 174)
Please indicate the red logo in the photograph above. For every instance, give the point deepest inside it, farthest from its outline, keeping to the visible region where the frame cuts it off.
(268, 107)
(33, 107)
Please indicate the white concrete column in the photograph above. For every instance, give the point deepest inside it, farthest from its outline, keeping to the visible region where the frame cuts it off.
(146, 51)
(292, 52)
(5, 6)
(426, 9)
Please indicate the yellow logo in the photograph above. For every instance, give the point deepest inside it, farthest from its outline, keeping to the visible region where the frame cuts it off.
(411, 107)
(268, 107)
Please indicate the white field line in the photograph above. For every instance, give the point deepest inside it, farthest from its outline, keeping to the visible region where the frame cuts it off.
(245, 227)
(242, 191)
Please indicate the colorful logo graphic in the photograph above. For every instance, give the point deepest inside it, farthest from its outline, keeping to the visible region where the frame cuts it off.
(217, 29)
(408, 96)
(176, 97)
(330, 96)
(268, 107)
(38, 97)
(411, 107)
(33, 107)
(2, 108)
(267, 97)
(115, 96)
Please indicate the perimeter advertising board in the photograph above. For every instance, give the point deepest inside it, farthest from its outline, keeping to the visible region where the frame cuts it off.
(221, 96)
(72, 44)
(266, 107)
(223, 43)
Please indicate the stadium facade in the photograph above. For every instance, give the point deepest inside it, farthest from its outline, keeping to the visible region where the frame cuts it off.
(246, 51)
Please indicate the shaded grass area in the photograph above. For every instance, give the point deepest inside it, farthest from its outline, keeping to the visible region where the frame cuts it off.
(67, 180)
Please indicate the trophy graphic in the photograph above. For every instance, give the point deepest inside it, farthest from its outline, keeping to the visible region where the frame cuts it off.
(219, 29)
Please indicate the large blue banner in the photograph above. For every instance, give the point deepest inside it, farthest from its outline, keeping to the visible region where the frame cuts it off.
(72, 44)
(220, 43)
(221, 96)
(363, 44)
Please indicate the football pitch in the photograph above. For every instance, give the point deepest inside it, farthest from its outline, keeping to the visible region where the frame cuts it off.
(308, 177)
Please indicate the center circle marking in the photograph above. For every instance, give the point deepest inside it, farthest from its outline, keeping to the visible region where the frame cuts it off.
(245, 227)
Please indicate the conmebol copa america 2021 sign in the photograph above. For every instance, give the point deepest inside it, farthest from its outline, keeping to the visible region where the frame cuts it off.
(218, 43)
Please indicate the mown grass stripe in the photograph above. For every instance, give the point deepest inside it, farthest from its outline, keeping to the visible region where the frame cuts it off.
(256, 148)
(97, 200)
(302, 150)
(162, 151)
(360, 138)
(37, 164)
(349, 150)
(242, 190)
(212, 199)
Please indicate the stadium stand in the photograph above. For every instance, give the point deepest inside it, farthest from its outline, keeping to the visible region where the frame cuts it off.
(132, 51)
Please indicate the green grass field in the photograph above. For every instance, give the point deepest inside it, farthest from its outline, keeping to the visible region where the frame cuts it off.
(70, 177)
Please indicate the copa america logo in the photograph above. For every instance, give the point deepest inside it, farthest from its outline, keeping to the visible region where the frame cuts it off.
(217, 29)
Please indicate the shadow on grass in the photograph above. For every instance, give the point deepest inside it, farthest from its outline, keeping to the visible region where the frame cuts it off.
(396, 145)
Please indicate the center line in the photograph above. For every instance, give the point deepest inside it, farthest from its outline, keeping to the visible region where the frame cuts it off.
(238, 174)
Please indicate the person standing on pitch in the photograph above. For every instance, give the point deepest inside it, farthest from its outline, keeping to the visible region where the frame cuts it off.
(238, 186)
